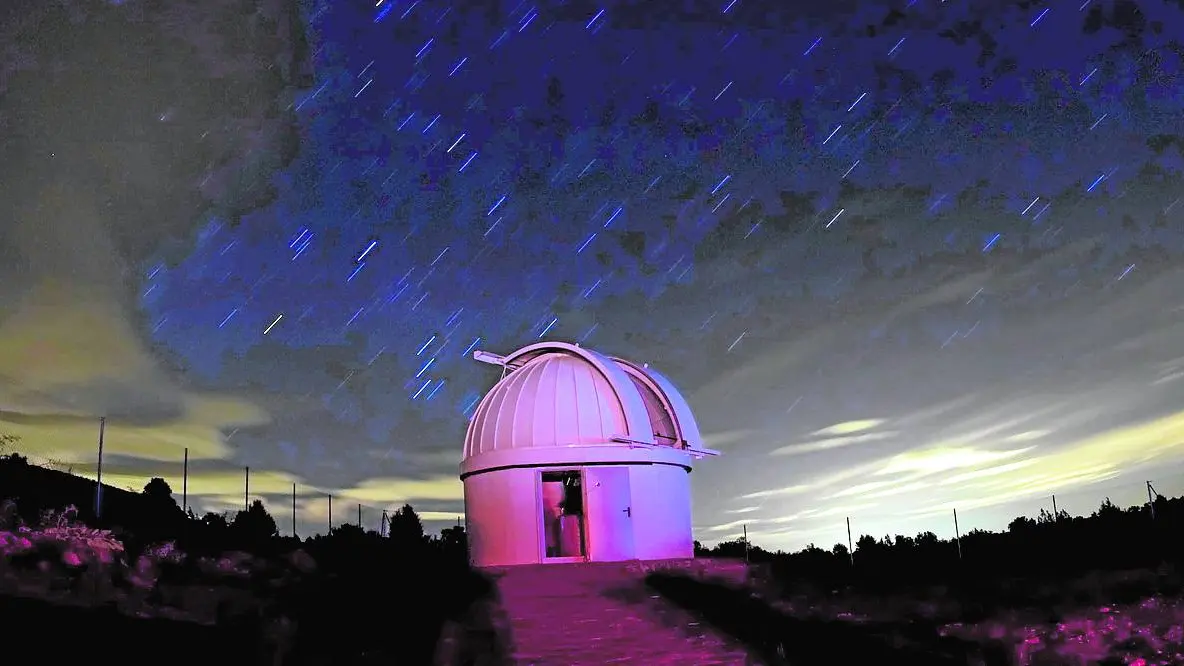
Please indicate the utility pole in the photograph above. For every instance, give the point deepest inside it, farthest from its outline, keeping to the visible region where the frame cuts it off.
(957, 534)
(330, 514)
(185, 482)
(99, 470)
(1151, 499)
(382, 525)
(746, 543)
(293, 509)
(359, 514)
(850, 546)
(246, 488)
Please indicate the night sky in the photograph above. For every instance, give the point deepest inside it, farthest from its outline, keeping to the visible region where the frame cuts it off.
(901, 257)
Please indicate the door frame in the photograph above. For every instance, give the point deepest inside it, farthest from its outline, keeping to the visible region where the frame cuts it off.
(541, 524)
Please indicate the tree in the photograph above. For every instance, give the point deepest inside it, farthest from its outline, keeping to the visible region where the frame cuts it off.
(405, 526)
(866, 544)
(255, 523)
(1021, 524)
(215, 521)
(159, 490)
(454, 538)
(8, 441)
(1107, 510)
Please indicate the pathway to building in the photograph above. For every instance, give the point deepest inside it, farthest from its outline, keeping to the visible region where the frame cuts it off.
(596, 614)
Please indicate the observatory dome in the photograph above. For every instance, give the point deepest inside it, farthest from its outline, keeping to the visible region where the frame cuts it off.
(563, 395)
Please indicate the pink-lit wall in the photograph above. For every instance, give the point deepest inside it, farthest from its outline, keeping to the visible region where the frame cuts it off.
(502, 516)
(661, 512)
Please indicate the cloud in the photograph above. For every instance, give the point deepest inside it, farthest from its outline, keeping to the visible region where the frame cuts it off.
(88, 209)
(1026, 436)
(730, 526)
(764, 372)
(395, 492)
(943, 459)
(828, 444)
(743, 509)
(210, 486)
(848, 427)
(820, 482)
(198, 426)
(720, 440)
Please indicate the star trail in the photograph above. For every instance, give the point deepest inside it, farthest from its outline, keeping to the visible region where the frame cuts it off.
(901, 256)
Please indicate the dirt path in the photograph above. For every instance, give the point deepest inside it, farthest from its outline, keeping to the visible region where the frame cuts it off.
(585, 614)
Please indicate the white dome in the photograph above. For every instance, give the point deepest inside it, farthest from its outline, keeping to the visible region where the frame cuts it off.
(561, 395)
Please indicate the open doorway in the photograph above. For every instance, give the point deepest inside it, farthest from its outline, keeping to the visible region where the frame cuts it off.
(563, 514)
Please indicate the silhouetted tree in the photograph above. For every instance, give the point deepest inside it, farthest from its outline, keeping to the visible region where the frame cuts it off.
(159, 490)
(8, 441)
(215, 521)
(1021, 524)
(254, 524)
(866, 544)
(405, 526)
(454, 542)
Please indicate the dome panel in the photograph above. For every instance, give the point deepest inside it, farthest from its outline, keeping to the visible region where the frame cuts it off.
(555, 399)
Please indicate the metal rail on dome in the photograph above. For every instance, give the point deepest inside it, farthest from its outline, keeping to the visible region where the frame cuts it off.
(490, 358)
(698, 453)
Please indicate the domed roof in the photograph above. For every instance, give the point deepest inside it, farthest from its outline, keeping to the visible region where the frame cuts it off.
(561, 395)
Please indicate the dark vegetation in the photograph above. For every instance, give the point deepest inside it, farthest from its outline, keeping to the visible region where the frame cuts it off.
(1044, 591)
(1049, 547)
(191, 588)
(177, 587)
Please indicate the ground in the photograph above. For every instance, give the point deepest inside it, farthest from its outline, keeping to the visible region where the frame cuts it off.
(585, 614)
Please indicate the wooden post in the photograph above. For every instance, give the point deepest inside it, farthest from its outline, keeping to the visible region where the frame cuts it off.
(330, 518)
(746, 543)
(1054, 508)
(359, 514)
(246, 488)
(293, 509)
(957, 534)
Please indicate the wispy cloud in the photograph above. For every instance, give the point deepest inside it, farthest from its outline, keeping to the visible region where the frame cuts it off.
(721, 440)
(848, 427)
(831, 443)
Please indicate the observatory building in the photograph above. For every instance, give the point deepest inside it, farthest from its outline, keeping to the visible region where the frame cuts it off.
(574, 456)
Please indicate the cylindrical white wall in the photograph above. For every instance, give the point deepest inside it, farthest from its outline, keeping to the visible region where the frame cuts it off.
(502, 515)
(661, 512)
